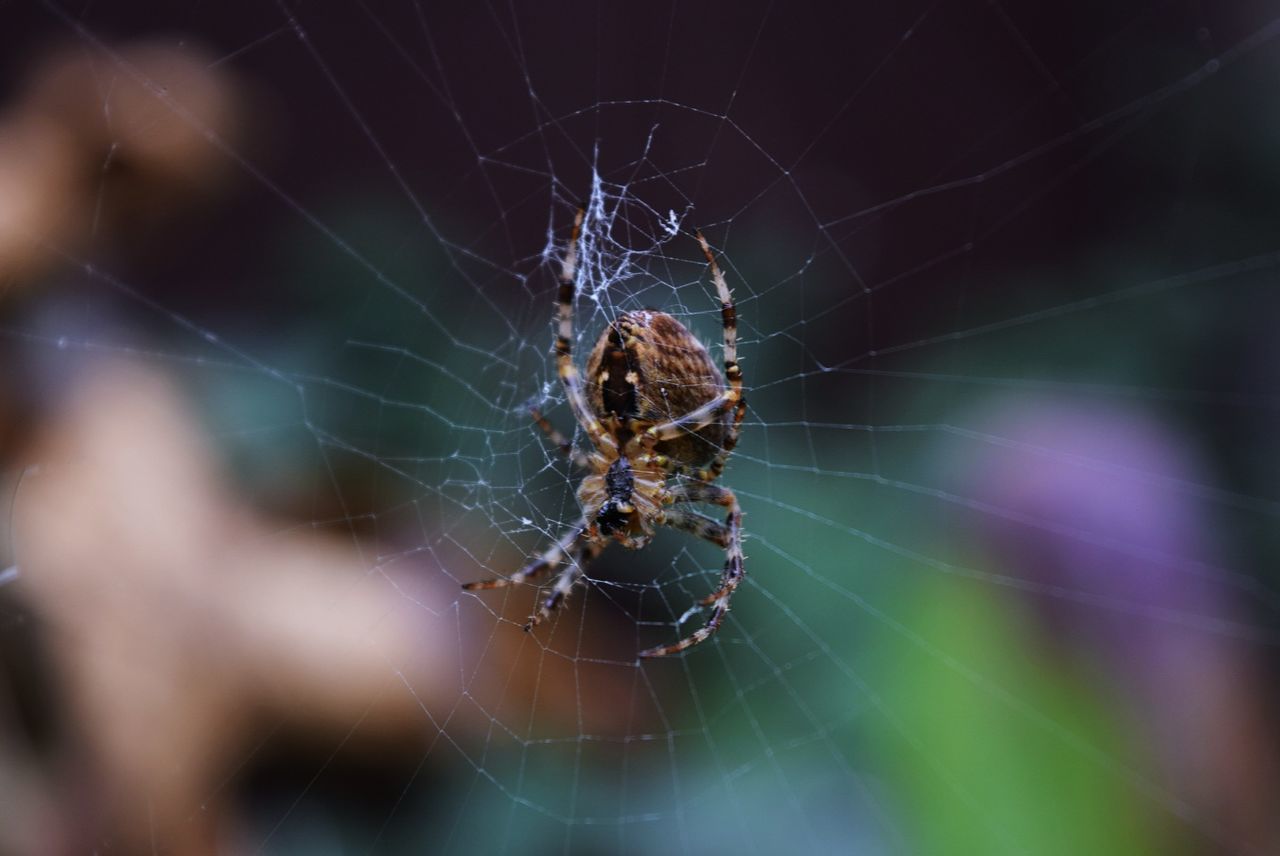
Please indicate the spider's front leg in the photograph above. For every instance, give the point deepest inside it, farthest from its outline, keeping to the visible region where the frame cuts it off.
(582, 555)
(575, 549)
(550, 559)
(727, 535)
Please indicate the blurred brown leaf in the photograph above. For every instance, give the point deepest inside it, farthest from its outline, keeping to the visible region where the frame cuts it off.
(176, 617)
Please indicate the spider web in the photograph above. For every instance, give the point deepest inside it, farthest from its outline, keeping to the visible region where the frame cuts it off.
(1002, 281)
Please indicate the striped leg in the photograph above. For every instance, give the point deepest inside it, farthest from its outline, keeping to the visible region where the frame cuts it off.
(731, 399)
(698, 524)
(568, 544)
(732, 371)
(733, 572)
(576, 456)
(583, 555)
(695, 420)
(564, 345)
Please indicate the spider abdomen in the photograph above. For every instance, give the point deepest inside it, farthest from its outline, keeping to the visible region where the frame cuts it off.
(648, 367)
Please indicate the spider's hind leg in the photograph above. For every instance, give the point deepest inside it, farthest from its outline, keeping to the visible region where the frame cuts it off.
(576, 456)
(565, 368)
(732, 371)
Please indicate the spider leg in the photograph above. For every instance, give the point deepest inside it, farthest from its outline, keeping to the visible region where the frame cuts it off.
(694, 420)
(548, 561)
(582, 555)
(575, 456)
(732, 371)
(698, 524)
(733, 571)
(731, 399)
(716, 495)
(564, 345)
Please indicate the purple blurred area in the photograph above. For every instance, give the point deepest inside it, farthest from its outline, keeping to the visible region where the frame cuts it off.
(1110, 509)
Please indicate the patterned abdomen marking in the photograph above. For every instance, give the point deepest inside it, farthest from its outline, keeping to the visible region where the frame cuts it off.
(648, 366)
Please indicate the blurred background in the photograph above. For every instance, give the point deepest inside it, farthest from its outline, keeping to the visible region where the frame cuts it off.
(275, 291)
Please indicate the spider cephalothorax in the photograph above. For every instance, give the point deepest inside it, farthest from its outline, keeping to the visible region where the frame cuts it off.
(625, 501)
(618, 513)
(662, 422)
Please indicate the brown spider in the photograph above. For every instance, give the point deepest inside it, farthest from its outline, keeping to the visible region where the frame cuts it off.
(658, 415)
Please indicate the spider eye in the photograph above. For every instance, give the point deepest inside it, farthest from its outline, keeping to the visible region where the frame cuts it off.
(613, 516)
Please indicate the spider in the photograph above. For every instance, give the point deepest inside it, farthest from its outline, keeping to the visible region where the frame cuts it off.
(662, 423)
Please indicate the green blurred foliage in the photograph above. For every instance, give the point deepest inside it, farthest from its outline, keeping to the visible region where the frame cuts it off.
(996, 745)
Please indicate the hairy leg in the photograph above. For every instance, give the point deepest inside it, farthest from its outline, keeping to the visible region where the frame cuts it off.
(733, 572)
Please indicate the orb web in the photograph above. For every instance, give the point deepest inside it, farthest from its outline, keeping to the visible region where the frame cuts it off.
(994, 284)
